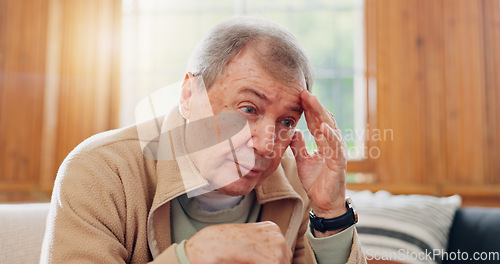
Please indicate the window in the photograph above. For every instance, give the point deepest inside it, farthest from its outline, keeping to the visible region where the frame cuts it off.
(159, 35)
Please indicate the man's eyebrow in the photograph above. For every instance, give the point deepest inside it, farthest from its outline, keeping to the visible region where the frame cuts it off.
(296, 109)
(264, 97)
(255, 92)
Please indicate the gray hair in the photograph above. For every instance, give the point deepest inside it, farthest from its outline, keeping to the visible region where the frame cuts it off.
(279, 52)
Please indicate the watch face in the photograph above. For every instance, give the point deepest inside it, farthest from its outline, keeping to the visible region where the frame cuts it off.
(349, 203)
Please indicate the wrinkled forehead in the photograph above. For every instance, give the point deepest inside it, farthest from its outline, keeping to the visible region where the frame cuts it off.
(257, 55)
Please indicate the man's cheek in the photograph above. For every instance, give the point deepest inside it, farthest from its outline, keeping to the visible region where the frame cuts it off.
(284, 135)
(279, 149)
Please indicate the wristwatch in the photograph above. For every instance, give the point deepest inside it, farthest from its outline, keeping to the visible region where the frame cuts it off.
(328, 224)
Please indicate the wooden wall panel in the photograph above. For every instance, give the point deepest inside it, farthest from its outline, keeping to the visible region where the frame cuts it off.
(437, 72)
(59, 84)
(408, 47)
(430, 80)
(492, 57)
(397, 104)
(465, 92)
(22, 56)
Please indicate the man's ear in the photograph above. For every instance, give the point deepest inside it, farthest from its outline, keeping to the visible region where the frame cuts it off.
(186, 94)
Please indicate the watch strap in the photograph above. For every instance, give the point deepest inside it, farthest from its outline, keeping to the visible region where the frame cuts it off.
(327, 224)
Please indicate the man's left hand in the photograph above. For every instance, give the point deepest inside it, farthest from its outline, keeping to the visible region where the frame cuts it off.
(322, 172)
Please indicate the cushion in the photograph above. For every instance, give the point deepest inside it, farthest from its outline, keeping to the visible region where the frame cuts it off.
(404, 228)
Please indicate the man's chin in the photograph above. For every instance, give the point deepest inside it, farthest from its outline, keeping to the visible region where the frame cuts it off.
(240, 187)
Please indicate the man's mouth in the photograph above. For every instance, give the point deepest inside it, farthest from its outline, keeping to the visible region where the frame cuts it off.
(251, 171)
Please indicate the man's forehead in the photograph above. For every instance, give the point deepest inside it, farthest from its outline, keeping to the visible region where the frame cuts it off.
(251, 59)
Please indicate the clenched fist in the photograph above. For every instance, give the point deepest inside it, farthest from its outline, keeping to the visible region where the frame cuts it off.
(260, 242)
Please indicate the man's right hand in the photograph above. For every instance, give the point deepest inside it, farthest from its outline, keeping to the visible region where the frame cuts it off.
(260, 242)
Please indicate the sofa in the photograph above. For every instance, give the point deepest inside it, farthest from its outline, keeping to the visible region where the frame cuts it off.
(21, 232)
(474, 229)
(422, 229)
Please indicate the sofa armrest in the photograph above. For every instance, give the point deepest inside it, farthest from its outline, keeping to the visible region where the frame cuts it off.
(22, 227)
(475, 229)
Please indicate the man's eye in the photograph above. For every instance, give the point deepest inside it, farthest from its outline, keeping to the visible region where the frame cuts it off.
(248, 110)
(288, 123)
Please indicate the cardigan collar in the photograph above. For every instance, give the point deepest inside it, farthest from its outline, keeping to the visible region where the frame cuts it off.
(177, 175)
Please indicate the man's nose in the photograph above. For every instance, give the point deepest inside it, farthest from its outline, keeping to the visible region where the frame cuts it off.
(263, 134)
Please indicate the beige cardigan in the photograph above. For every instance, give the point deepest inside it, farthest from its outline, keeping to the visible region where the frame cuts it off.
(111, 204)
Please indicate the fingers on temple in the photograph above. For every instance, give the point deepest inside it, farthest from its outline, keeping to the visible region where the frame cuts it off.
(316, 113)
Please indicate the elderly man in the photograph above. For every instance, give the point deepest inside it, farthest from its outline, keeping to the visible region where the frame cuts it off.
(180, 197)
